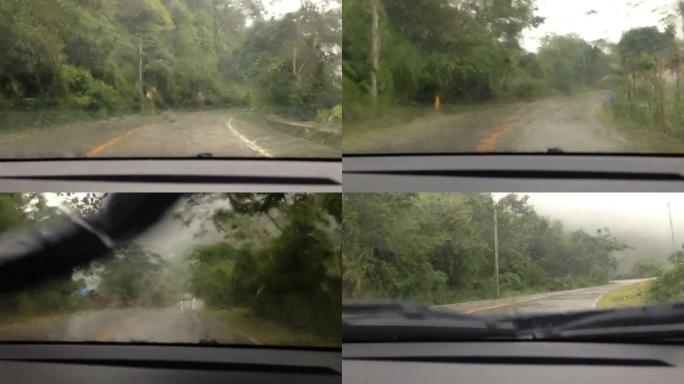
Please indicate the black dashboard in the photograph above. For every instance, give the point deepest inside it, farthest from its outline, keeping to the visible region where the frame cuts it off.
(511, 363)
(512, 173)
(133, 364)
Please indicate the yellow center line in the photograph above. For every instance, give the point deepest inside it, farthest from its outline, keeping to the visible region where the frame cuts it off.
(108, 333)
(488, 144)
(111, 142)
(496, 306)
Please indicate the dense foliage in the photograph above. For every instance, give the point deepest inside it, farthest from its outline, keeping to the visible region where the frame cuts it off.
(440, 247)
(102, 56)
(646, 78)
(462, 51)
(288, 271)
(669, 286)
(278, 255)
(643, 269)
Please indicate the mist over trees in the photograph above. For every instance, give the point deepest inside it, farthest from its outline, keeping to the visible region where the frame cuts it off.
(438, 248)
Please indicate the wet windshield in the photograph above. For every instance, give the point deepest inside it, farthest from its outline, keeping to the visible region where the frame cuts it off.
(511, 255)
(170, 78)
(252, 269)
(445, 76)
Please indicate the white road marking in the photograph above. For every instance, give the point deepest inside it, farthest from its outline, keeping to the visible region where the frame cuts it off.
(248, 337)
(249, 143)
(15, 138)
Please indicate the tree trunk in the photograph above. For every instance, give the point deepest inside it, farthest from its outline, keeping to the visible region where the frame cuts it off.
(660, 116)
(140, 76)
(375, 49)
(630, 92)
(678, 96)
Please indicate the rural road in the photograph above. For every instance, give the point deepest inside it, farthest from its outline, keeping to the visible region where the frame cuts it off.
(568, 123)
(553, 302)
(170, 134)
(162, 325)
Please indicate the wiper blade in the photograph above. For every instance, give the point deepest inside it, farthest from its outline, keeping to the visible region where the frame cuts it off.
(54, 248)
(385, 321)
(661, 321)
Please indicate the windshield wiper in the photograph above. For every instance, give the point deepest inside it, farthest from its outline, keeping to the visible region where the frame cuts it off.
(402, 322)
(656, 322)
(55, 247)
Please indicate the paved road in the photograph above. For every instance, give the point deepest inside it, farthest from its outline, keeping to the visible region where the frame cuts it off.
(568, 123)
(554, 302)
(167, 325)
(171, 134)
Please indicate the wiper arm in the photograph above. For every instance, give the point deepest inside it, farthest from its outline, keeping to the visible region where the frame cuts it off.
(385, 321)
(650, 322)
(55, 247)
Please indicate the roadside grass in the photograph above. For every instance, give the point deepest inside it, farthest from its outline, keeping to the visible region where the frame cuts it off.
(389, 117)
(270, 332)
(327, 136)
(630, 295)
(18, 124)
(643, 139)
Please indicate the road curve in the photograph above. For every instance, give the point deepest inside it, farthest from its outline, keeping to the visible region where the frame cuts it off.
(156, 325)
(553, 302)
(170, 134)
(569, 123)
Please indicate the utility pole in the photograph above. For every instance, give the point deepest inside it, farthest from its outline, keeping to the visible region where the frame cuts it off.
(496, 250)
(674, 246)
(374, 49)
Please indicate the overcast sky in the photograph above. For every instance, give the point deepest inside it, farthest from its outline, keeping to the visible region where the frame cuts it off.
(639, 219)
(596, 19)
(279, 8)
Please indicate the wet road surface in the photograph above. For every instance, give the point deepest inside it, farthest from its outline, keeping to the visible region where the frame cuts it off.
(553, 302)
(570, 124)
(162, 325)
(170, 134)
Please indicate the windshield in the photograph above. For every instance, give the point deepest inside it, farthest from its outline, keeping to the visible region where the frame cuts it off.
(246, 269)
(170, 78)
(510, 256)
(524, 76)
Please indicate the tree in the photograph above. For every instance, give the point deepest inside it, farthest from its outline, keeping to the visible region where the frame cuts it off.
(288, 271)
(100, 57)
(644, 53)
(439, 248)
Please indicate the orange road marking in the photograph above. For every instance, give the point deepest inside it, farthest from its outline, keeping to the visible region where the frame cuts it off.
(488, 144)
(107, 335)
(507, 304)
(111, 142)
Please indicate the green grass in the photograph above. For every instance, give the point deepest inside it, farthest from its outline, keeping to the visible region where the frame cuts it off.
(644, 139)
(317, 134)
(271, 333)
(392, 116)
(630, 295)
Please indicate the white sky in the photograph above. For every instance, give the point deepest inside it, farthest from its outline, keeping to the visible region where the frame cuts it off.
(277, 8)
(610, 20)
(639, 219)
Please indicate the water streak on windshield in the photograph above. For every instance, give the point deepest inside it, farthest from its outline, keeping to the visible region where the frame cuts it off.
(253, 269)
